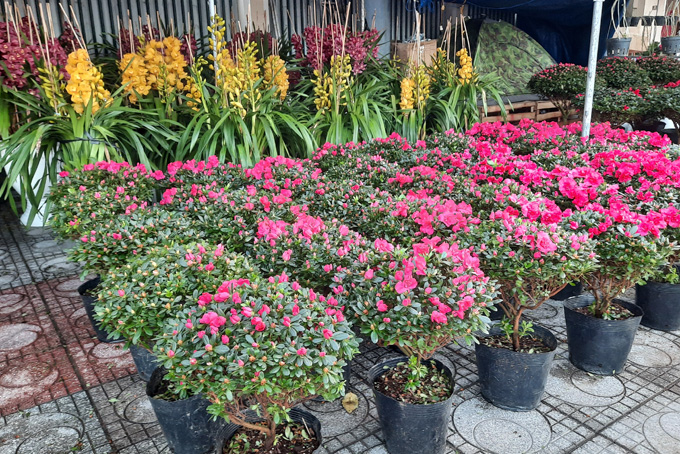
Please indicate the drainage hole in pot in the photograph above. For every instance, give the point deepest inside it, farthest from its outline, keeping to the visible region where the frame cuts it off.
(527, 344)
(399, 384)
(291, 438)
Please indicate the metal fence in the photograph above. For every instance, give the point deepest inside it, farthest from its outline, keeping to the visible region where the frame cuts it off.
(99, 20)
(478, 12)
(403, 19)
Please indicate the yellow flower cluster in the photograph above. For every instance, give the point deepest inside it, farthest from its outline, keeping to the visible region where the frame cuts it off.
(407, 87)
(85, 83)
(222, 63)
(194, 87)
(415, 90)
(241, 86)
(331, 88)
(238, 81)
(159, 65)
(134, 76)
(166, 65)
(246, 62)
(52, 83)
(466, 73)
(275, 75)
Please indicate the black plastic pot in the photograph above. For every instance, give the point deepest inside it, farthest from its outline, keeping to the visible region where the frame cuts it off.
(496, 314)
(89, 301)
(410, 428)
(599, 346)
(185, 423)
(514, 380)
(296, 415)
(661, 304)
(572, 289)
(670, 45)
(671, 133)
(145, 361)
(660, 20)
(618, 47)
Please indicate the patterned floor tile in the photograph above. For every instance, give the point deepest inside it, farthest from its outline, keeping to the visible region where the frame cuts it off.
(67, 424)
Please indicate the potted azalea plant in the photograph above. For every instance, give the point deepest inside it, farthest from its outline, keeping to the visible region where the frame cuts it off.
(256, 351)
(137, 298)
(87, 198)
(117, 239)
(659, 298)
(531, 260)
(418, 300)
(600, 326)
(628, 219)
(560, 83)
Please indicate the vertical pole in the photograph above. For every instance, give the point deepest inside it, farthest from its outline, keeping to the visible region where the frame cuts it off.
(592, 66)
(212, 13)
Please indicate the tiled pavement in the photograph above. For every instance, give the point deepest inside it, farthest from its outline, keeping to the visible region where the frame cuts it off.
(62, 391)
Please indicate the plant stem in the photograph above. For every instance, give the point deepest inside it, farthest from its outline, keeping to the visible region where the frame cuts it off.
(515, 329)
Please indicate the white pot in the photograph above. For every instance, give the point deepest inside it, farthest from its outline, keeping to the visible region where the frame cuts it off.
(41, 172)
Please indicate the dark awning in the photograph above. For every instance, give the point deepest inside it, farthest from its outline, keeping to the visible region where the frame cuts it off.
(562, 27)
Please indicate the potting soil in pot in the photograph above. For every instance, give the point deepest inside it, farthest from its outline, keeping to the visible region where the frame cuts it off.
(616, 312)
(292, 438)
(527, 344)
(435, 386)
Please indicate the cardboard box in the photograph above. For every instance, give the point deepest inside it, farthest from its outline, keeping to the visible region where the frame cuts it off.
(409, 52)
(638, 8)
(253, 14)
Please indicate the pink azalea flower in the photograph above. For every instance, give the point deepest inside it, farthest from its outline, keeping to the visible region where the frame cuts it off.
(438, 317)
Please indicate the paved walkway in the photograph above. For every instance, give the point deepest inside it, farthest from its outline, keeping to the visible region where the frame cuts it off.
(62, 391)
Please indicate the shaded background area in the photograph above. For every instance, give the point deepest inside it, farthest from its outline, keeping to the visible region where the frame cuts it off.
(562, 27)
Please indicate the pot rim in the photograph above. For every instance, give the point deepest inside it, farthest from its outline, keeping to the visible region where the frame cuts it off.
(300, 413)
(584, 300)
(495, 330)
(380, 368)
(89, 284)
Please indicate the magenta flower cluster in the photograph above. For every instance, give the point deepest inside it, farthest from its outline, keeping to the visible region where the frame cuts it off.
(317, 45)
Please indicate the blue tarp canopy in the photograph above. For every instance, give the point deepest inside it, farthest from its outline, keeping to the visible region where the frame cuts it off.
(562, 27)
